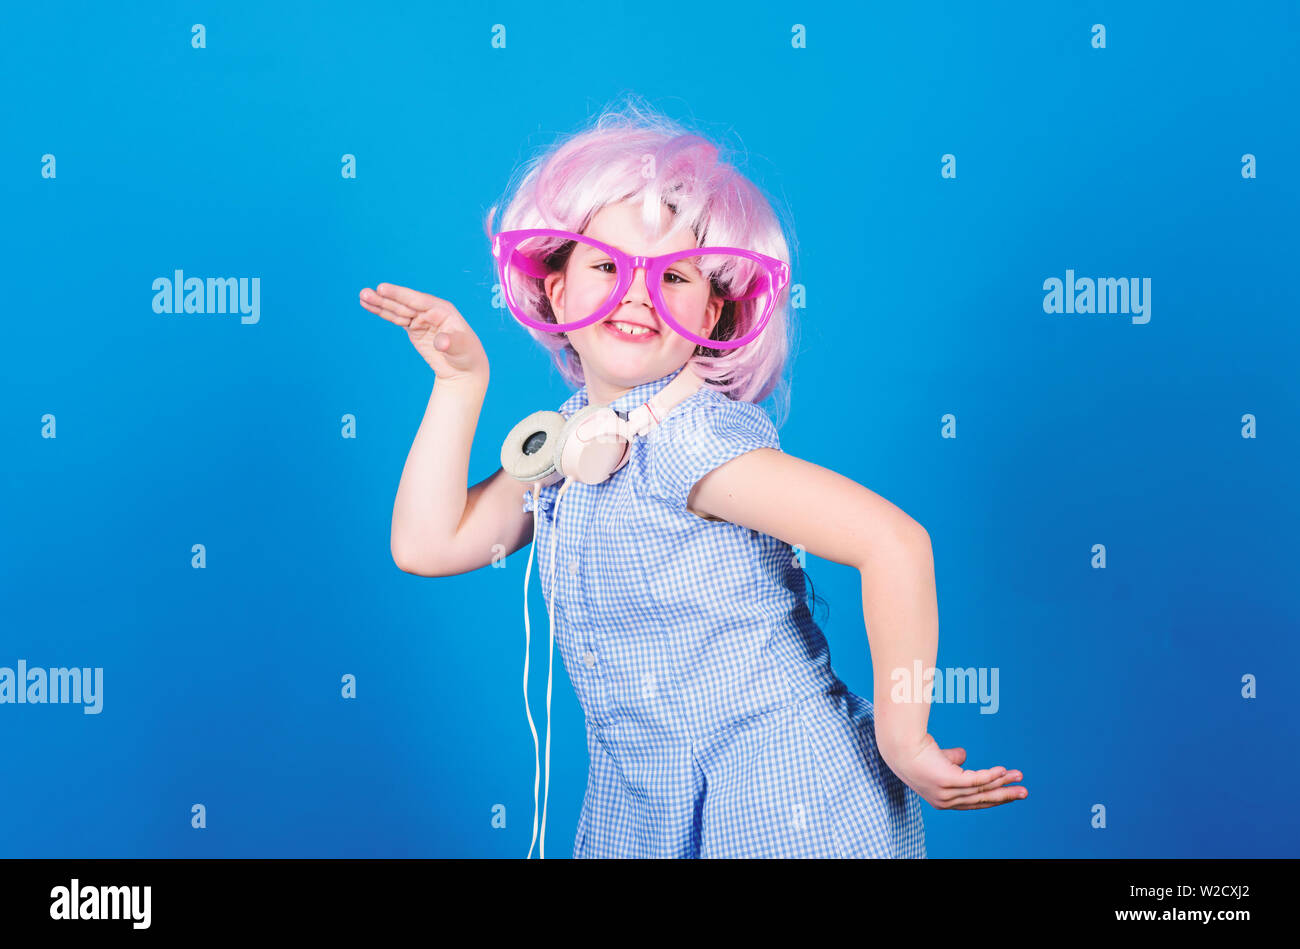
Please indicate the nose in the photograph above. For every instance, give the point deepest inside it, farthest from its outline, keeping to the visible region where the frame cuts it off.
(637, 292)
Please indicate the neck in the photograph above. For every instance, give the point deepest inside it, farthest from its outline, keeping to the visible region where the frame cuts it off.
(600, 392)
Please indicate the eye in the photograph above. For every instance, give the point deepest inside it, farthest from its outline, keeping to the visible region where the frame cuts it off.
(605, 263)
(678, 278)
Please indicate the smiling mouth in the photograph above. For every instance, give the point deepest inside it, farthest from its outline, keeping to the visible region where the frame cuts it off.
(630, 329)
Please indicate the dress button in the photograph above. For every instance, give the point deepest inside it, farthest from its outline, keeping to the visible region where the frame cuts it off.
(573, 566)
(589, 659)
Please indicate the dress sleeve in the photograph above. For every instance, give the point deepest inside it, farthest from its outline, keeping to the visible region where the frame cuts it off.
(690, 444)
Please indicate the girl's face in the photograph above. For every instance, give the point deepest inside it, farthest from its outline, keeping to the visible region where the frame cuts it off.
(612, 360)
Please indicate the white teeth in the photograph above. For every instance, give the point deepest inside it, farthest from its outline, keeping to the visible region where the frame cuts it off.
(629, 328)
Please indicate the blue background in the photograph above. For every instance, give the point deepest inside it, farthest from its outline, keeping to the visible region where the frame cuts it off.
(1118, 687)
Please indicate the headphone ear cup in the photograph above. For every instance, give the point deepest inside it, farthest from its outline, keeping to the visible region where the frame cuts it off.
(528, 453)
(592, 445)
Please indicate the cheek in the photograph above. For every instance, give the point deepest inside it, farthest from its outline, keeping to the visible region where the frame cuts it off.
(585, 341)
(695, 310)
(584, 293)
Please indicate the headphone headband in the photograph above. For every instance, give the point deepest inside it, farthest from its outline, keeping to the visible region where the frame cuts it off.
(654, 411)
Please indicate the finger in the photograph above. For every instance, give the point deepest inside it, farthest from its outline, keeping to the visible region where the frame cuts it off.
(955, 784)
(376, 303)
(455, 345)
(974, 779)
(991, 799)
(955, 755)
(413, 299)
(1011, 777)
(391, 304)
(386, 314)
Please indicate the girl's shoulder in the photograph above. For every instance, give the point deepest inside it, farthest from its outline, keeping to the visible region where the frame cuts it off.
(709, 413)
(702, 433)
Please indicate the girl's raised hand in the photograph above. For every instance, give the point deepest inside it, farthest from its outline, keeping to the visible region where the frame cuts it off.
(436, 329)
(937, 775)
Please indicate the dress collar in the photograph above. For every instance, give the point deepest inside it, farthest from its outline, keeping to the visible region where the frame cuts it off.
(626, 402)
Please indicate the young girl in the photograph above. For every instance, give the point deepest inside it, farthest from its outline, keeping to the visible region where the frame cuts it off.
(715, 725)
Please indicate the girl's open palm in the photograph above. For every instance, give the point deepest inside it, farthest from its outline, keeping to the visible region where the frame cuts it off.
(937, 775)
(436, 329)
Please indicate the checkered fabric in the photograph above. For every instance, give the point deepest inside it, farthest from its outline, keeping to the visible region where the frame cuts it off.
(715, 726)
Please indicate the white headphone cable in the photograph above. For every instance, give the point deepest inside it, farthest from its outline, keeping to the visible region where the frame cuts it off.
(550, 662)
(528, 639)
(550, 668)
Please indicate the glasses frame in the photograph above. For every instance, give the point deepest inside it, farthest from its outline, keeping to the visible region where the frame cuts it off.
(504, 249)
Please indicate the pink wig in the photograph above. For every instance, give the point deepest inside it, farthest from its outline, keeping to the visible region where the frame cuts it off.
(610, 163)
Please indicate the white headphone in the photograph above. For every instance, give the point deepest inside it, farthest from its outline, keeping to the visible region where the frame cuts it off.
(590, 445)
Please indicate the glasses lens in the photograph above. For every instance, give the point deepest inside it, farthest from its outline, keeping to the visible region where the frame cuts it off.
(688, 282)
(590, 277)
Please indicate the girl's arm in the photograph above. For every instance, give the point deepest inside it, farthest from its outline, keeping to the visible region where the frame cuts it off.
(840, 520)
(441, 527)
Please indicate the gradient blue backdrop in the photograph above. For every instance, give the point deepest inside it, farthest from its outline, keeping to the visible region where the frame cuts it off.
(1118, 687)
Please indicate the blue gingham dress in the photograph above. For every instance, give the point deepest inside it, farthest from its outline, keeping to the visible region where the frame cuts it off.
(715, 726)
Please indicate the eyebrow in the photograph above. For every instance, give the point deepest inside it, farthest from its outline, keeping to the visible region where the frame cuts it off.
(585, 247)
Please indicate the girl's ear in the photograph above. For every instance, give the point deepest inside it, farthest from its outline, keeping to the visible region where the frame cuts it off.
(712, 310)
(553, 284)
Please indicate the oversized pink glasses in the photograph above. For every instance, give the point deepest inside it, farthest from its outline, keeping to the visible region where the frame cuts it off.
(528, 253)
